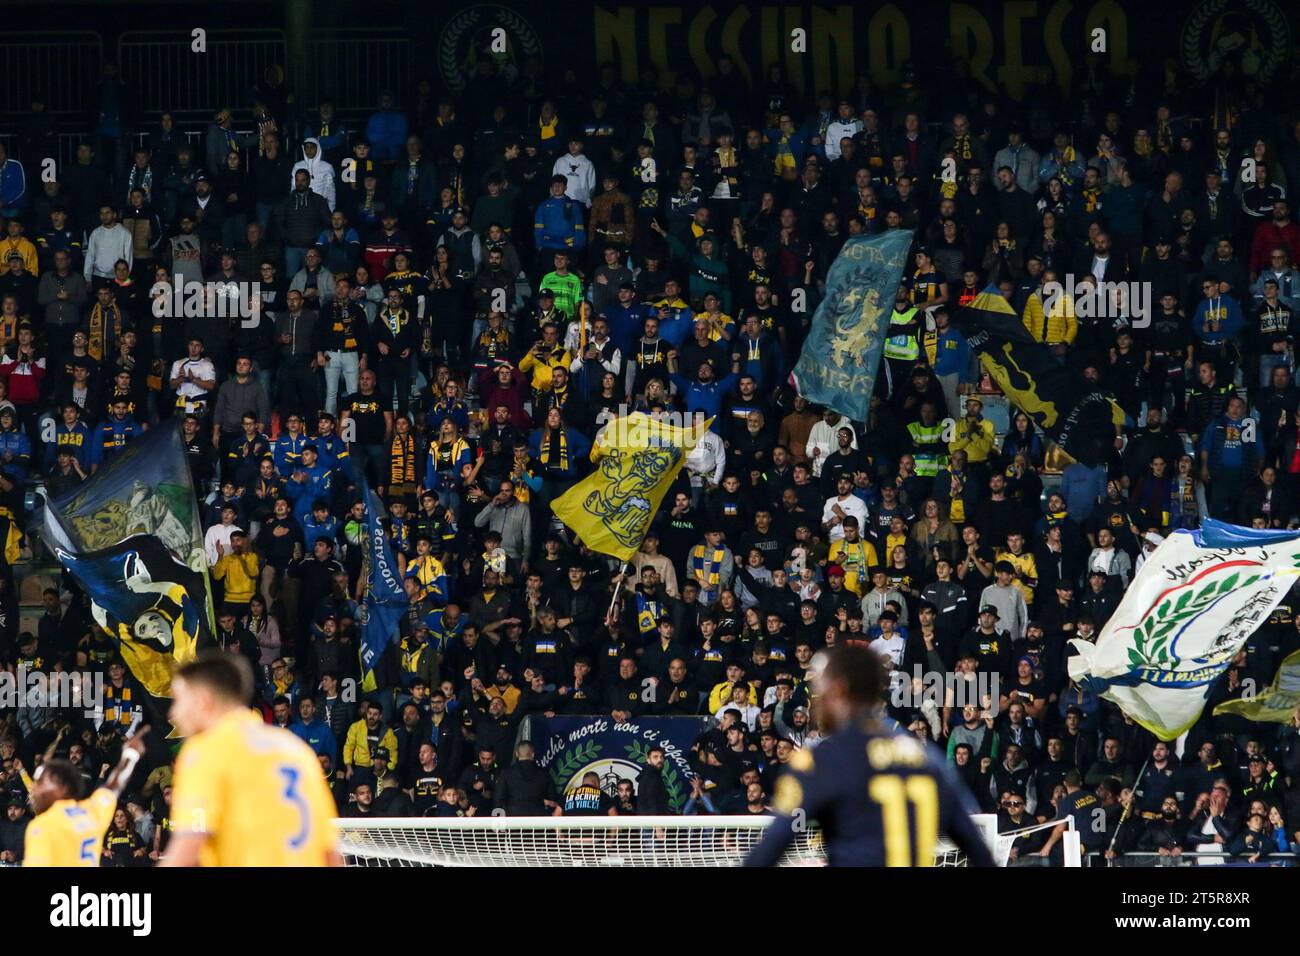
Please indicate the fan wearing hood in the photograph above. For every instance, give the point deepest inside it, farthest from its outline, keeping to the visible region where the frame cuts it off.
(321, 172)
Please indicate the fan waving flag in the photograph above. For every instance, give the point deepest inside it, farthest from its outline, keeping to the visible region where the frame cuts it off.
(1070, 411)
(837, 366)
(385, 599)
(147, 599)
(131, 537)
(637, 460)
(1277, 702)
(1197, 599)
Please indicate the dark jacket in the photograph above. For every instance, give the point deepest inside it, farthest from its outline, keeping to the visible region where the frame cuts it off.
(523, 788)
(301, 217)
(651, 794)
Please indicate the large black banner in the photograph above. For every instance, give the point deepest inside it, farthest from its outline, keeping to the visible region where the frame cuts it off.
(1030, 47)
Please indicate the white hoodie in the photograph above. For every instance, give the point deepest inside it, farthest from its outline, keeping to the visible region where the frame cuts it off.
(322, 173)
(581, 174)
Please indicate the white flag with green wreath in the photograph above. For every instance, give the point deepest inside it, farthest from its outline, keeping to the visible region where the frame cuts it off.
(1197, 599)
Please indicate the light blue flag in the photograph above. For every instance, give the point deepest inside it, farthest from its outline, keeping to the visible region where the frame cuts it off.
(838, 364)
(385, 600)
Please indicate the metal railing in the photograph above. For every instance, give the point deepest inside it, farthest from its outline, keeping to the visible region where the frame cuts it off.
(167, 74)
(351, 66)
(64, 68)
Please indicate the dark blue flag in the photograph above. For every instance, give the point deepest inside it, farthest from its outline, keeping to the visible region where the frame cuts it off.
(385, 599)
(838, 364)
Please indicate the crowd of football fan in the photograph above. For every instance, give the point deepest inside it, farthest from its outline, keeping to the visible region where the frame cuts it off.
(456, 295)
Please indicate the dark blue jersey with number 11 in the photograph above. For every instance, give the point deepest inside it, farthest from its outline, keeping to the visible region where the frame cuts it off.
(880, 799)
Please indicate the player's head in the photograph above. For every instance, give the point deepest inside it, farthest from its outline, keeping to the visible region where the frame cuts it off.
(54, 780)
(849, 682)
(207, 688)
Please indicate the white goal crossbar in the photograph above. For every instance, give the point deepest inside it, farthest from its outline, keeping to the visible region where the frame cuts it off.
(655, 841)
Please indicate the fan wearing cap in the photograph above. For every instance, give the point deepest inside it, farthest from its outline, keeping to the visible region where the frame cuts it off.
(974, 434)
(988, 643)
(1100, 597)
(1007, 599)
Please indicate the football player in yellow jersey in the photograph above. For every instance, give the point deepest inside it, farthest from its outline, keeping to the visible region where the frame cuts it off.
(245, 793)
(68, 831)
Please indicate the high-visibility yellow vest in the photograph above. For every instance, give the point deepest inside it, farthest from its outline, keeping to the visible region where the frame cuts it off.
(929, 447)
(902, 344)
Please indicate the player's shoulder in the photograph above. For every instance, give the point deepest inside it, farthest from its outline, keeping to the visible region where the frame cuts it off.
(100, 798)
(884, 748)
(282, 743)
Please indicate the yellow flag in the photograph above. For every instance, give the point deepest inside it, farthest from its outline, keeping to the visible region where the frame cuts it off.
(637, 458)
(1277, 702)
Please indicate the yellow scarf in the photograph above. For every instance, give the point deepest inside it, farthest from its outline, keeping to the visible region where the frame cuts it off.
(99, 323)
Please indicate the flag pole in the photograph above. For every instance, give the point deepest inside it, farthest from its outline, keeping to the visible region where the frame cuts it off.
(1128, 810)
(618, 586)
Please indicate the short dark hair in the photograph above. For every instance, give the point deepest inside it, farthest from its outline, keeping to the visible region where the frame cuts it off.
(228, 676)
(860, 671)
(65, 775)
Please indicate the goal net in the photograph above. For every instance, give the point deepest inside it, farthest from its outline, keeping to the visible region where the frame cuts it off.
(594, 841)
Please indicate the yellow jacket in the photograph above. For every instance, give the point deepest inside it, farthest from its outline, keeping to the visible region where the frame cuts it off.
(541, 368)
(239, 572)
(1059, 328)
(25, 249)
(975, 441)
(721, 693)
(356, 751)
(510, 696)
(1025, 565)
(854, 560)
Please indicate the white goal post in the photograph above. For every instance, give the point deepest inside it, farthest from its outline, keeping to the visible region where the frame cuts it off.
(500, 841)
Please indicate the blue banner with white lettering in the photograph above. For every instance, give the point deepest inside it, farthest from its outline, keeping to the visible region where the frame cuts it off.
(571, 747)
(385, 599)
(838, 364)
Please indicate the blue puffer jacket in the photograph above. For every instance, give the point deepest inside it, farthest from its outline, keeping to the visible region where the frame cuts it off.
(19, 448)
(386, 131)
(13, 186)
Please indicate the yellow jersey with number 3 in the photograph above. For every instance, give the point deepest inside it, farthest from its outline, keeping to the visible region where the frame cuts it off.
(70, 832)
(257, 793)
